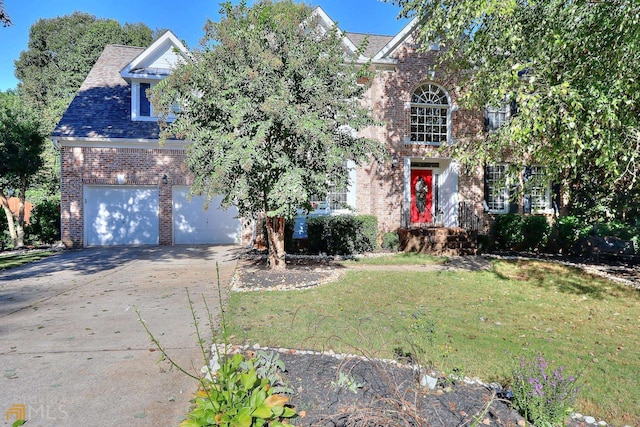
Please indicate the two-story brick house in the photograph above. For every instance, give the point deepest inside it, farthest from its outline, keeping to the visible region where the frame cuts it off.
(121, 186)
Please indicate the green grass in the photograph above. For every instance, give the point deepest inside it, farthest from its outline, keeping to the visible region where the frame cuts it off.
(15, 260)
(483, 322)
(409, 258)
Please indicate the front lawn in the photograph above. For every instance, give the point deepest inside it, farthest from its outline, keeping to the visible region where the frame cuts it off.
(11, 260)
(476, 323)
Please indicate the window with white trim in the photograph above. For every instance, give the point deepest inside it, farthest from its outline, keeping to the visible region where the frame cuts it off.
(338, 198)
(141, 108)
(497, 197)
(496, 117)
(430, 111)
(538, 189)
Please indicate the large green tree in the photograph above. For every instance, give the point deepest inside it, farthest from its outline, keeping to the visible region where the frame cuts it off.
(272, 111)
(572, 68)
(21, 145)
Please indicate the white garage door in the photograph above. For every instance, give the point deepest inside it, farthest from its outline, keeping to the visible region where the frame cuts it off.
(192, 224)
(120, 215)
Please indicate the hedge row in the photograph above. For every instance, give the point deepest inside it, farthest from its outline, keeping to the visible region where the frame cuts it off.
(335, 235)
(534, 233)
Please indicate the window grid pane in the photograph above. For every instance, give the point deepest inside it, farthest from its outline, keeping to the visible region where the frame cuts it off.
(538, 190)
(429, 111)
(498, 197)
(337, 198)
(497, 117)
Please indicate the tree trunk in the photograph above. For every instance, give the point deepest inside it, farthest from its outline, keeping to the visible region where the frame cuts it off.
(275, 234)
(20, 222)
(12, 228)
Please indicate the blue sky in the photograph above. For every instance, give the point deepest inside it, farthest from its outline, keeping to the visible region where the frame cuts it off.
(186, 18)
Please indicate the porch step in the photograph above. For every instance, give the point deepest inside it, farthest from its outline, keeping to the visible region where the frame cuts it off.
(439, 241)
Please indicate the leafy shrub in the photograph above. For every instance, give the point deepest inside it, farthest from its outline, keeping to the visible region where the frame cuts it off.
(542, 396)
(236, 395)
(568, 233)
(315, 230)
(508, 231)
(390, 241)
(535, 231)
(343, 234)
(368, 240)
(350, 234)
(617, 229)
(45, 222)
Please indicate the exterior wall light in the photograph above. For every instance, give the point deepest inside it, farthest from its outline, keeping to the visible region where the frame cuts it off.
(165, 180)
(394, 161)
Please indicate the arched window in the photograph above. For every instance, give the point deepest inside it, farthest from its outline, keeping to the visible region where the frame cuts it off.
(430, 115)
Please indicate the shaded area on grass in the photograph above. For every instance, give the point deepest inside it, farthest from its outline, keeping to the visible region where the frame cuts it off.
(15, 259)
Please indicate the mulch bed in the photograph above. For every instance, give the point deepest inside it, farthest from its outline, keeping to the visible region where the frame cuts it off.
(301, 272)
(387, 395)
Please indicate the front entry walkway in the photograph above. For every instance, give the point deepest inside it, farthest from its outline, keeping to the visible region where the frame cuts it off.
(72, 351)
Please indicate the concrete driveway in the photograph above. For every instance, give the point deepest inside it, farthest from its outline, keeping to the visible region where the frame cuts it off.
(72, 351)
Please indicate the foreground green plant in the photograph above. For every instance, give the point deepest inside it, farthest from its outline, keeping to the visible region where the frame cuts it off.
(543, 397)
(347, 382)
(237, 397)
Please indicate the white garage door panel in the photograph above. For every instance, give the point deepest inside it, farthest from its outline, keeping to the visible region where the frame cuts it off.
(121, 215)
(192, 224)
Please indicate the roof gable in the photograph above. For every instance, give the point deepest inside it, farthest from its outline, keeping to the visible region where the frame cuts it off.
(102, 106)
(401, 38)
(379, 48)
(156, 61)
(327, 23)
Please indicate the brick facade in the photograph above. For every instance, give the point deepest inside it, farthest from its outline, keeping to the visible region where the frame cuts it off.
(102, 166)
(380, 189)
(101, 145)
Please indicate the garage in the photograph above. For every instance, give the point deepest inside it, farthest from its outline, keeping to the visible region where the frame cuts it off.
(120, 215)
(192, 224)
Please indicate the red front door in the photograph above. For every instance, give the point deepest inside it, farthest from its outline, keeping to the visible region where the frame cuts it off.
(421, 196)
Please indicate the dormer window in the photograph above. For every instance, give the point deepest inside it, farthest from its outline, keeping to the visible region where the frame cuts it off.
(141, 108)
(149, 68)
(145, 104)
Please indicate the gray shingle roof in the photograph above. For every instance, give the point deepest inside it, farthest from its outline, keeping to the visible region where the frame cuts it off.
(374, 42)
(102, 106)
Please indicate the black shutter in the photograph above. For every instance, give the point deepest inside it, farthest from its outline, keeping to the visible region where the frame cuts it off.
(555, 198)
(486, 185)
(526, 198)
(514, 206)
(513, 110)
(145, 104)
